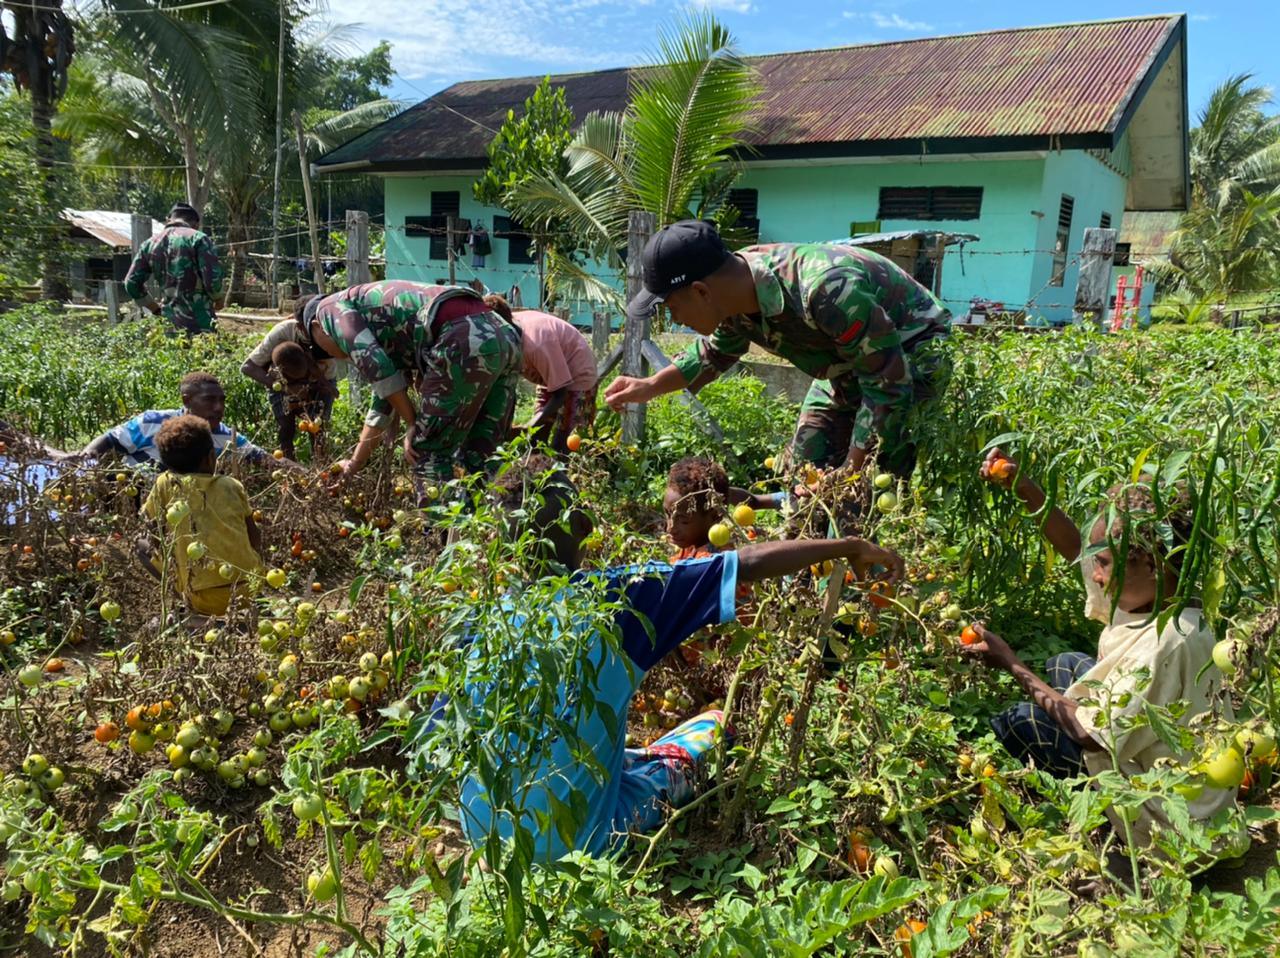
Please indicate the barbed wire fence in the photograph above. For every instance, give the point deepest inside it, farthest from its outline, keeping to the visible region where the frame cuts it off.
(100, 285)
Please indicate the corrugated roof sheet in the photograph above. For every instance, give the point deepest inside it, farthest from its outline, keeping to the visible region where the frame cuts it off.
(111, 227)
(1057, 81)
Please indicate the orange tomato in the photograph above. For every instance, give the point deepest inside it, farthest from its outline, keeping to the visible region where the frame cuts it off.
(906, 931)
(789, 718)
(55, 665)
(343, 532)
(859, 854)
(106, 732)
(868, 627)
(83, 565)
(969, 636)
(1002, 469)
(296, 548)
(317, 587)
(574, 442)
(136, 720)
(881, 595)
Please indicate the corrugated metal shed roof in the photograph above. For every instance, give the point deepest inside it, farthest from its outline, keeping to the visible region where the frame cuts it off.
(111, 227)
(1072, 85)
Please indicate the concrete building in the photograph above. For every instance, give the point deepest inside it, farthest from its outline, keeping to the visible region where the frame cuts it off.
(1023, 137)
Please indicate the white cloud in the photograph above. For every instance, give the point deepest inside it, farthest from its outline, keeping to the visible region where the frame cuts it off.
(437, 42)
(732, 6)
(1202, 17)
(890, 21)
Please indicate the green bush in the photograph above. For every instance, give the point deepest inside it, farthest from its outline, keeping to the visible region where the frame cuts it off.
(756, 424)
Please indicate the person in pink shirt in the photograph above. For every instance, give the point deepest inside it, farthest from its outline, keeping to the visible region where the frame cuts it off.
(558, 360)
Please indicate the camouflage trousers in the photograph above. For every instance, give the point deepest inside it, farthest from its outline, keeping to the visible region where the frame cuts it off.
(468, 386)
(193, 318)
(825, 428)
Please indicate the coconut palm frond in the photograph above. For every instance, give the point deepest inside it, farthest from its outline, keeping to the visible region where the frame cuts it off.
(688, 111)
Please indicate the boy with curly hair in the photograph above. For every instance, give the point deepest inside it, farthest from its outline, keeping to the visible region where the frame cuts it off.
(697, 491)
(215, 542)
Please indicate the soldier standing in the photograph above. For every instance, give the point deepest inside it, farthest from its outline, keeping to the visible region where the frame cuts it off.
(184, 262)
(466, 361)
(867, 332)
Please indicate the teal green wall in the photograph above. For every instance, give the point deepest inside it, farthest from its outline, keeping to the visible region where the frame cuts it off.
(819, 202)
(409, 257)
(1096, 189)
(1011, 262)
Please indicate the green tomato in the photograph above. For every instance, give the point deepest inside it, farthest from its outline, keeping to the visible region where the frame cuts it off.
(262, 738)
(886, 502)
(110, 611)
(35, 764)
(11, 891)
(1225, 769)
(322, 885)
(1226, 657)
(883, 481)
(29, 675)
(308, 807)
(280, 721)
(189, 736)
(52, 778)
(1258, 743)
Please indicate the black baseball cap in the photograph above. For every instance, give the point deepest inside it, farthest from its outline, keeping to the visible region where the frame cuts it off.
(184, 211)
(676, 256)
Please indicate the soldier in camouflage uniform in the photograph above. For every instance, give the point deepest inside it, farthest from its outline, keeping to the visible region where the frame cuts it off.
(865, 330)
(185, 264)
(466, 362)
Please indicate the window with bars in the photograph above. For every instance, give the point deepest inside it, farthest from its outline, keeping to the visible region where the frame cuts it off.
(518, 240)
(1066, 208)
(747, 203)
(1104, 221)
(930, 203)
(444, 203)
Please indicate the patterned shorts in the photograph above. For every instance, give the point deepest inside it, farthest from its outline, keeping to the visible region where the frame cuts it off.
(664, 774)
(1029, 733)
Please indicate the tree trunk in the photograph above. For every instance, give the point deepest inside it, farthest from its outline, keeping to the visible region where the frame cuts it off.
(53, 279)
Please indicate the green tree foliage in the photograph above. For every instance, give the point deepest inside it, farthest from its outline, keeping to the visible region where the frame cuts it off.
(36, 46)
(344, 83)
(669, 153)
(1228, 243)
(527, 146)
(21, 237)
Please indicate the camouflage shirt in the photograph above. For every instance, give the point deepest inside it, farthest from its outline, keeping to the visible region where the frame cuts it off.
(382, 327)
(186, 266)
(835, 312)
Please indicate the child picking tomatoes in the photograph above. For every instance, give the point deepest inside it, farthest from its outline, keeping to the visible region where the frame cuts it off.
(697, 491)
(1088, 717)
(205, 517)
(570, 758)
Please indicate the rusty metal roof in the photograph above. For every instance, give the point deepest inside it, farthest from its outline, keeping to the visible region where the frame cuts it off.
(1067, 86)
(110, 227)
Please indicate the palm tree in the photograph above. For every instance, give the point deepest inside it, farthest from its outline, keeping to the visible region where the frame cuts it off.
(1220, 252)
(37, 56)
(1235, 146)
(195, 90)
(669, 153)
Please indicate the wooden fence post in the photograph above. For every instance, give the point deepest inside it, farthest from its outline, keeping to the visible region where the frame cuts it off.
(357, 247)
(448, 239)
(357, 273)
(111, 296)
(600, 334)
(139, 233)
(640, 227)
(1094, 283)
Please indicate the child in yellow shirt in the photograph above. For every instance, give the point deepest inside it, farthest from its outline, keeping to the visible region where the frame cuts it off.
(205, 517)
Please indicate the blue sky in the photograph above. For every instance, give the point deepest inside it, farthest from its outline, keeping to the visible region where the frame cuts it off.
(439, 42)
